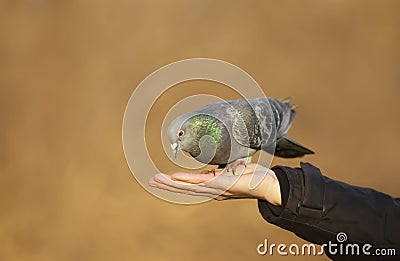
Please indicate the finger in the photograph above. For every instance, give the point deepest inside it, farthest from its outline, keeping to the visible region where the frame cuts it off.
(166, 180)
(182, 191)
(192, 178)
(196, 188)
(209, 183)
(166, 187)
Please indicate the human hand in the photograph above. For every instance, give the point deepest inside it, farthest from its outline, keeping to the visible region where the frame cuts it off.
(220, 186)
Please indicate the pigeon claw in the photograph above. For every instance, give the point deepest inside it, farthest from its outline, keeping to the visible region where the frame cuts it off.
(206, 171)
(235, 164)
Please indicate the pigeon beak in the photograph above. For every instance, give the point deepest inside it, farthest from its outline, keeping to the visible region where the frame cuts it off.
(175, 148)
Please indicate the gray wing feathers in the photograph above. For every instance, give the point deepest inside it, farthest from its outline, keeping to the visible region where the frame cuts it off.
(284, 116)
(245, 127)
(257, 120)
(253, 122)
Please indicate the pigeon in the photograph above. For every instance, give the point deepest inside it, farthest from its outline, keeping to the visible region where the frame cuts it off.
(228, 133)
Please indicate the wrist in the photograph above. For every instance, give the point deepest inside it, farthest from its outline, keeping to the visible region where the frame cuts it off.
(271, 190)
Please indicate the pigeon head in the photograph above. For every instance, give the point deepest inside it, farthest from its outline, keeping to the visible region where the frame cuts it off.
(179, 133)
(185, 132)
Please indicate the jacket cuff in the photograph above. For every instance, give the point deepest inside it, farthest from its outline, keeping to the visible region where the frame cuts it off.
(302, 194)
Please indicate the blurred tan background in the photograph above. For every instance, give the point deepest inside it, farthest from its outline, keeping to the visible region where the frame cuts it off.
(68, 68)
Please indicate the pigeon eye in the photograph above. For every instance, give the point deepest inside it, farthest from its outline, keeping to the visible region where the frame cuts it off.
(180, 133)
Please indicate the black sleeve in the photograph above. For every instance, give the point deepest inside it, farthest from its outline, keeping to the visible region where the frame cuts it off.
(316, 208)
